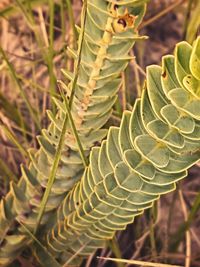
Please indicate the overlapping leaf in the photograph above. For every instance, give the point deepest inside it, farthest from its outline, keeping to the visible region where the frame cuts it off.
(152, 149)
(110, 33)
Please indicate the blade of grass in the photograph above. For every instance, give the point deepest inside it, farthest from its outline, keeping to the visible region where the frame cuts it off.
(172, 208)
(52, 173)
(142, 263)
(52, 83)
(77, 63)
(73, 127)
(65, 123)
(176, 239)
(152, 231)
(22, 93)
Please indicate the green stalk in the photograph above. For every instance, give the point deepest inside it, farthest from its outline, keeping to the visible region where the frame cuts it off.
(170, 215)
(77, 63)
(51, 53)
(72, 23)
(193, 24)
(63, 27)
(187, 17)
(73, 126)
(124, 89)
(152, 231)
(23, 95)
(64, 127)
(126, 81)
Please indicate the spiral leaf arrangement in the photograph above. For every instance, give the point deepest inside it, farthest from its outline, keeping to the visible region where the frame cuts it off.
(109, 34)
(152, 149)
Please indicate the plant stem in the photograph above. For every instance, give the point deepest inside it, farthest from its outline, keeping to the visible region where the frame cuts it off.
(51, 53)
(113, 245)
(152, 232)
(72, 23)
(73, 126)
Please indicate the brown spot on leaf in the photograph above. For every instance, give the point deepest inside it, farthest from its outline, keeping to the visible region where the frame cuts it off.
(122, 22)
(164, 74)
